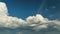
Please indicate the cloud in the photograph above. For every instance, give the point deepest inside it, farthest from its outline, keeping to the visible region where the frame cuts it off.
(36, 23)
(3, 9)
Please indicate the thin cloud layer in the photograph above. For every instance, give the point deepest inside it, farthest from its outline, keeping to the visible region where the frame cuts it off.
(37, 23)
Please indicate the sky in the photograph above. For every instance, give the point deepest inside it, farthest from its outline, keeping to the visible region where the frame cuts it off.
(24, 8)
(30, 16)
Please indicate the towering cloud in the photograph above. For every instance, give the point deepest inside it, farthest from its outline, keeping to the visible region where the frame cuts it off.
(36, 23)
(3, 9)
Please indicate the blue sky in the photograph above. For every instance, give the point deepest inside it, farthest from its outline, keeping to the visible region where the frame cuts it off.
(21, 8)
(25, 8)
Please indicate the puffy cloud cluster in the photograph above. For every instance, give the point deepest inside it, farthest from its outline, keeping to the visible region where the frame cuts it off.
(36, 23)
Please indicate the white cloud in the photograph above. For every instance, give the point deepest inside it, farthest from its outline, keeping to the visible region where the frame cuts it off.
(3, 9)
(36, 23)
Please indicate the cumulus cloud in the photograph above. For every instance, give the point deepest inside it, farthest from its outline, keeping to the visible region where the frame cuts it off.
(3, 9)
(37, 22)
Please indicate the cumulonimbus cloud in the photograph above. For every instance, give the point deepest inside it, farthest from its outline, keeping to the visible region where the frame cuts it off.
(36, 23)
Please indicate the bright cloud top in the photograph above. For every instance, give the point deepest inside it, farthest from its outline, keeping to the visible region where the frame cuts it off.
(3, 9)
(36, 23)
